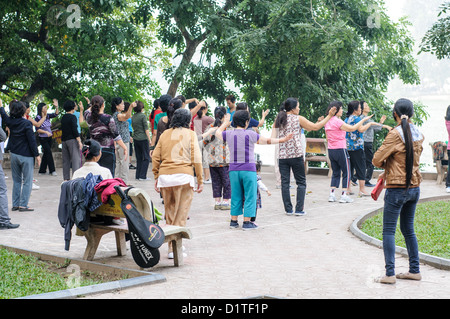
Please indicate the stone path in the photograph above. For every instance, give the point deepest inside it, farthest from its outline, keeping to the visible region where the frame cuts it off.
(313, 256)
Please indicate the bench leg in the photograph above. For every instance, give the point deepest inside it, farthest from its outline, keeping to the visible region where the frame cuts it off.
(93, 238)
(121, 244)
(177, 246)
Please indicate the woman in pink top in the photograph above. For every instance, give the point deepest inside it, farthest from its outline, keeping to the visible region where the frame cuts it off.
(335, 130)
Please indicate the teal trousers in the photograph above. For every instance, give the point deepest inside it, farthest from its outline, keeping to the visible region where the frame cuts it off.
(243, 186)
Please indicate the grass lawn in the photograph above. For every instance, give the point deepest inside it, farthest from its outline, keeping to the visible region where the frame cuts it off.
(432, 227)
(24, 275)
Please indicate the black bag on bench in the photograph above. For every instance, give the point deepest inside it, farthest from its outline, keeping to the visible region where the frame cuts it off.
(145, 236)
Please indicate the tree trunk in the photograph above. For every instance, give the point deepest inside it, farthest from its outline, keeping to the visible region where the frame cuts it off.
(191, 47)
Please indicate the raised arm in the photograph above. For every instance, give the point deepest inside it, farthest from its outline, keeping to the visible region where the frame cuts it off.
(197, 107)
(270, 140)
(123, 117)
(310, 126)
(263, 118)
(223, 127)
(55, 103)
(350, 128)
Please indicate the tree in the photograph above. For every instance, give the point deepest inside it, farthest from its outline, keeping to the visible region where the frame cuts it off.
(64, 50)
(184, 25)
(317, 51)
(437, 39)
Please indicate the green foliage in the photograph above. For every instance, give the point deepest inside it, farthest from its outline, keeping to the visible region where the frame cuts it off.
(432, 228)
(437, 40)
(105, 55)
(317, 51)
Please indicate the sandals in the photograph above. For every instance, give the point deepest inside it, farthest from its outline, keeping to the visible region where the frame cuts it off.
(25, 209)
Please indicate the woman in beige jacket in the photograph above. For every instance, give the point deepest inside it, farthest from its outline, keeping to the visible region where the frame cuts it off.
(399, 156)
(176, 155)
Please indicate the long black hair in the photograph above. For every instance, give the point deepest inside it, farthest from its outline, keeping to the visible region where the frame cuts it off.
(404, 109)
(40, 106)
(447, 115)
(288, 105)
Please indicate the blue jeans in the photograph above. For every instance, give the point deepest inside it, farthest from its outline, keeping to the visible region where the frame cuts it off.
(4, 215)
(399, 202)
(22, 171)
(243, 186)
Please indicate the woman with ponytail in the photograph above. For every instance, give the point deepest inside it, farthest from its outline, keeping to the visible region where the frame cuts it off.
(102, 129)
(291, 153)
(399, 156)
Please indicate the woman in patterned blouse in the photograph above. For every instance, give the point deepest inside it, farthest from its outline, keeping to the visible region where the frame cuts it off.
(102, 129)
(291, 152)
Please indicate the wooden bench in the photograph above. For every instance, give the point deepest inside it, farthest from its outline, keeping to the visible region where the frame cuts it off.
(441, 169)
(142, 201)
(317, 151)
(174, 234)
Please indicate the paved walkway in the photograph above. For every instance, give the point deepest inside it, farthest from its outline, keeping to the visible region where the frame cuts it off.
(314, 256)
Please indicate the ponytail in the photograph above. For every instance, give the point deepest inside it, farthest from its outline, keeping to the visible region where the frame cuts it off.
(155, 107)
(174, 104)
(96, 104)
(404, 109)
(288, 105)
(219, 114)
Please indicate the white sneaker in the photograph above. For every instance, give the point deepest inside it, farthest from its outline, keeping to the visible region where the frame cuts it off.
(332, 198)
(54, 174)
(345, 199)
(118, 221)
(448, 189)
(35, 186)
(170, 255)
(208, 181)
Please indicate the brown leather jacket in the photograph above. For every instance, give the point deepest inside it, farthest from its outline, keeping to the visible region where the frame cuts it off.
(391, 156)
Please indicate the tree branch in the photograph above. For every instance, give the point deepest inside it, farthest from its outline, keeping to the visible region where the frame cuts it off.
(38, 37)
